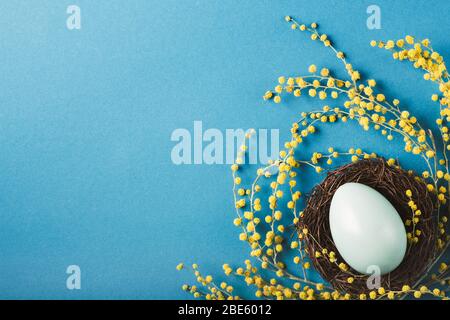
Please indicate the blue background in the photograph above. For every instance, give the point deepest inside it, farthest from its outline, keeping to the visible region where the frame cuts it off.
(86, 116)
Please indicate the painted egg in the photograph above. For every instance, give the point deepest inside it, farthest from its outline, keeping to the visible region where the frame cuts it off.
(366, 229)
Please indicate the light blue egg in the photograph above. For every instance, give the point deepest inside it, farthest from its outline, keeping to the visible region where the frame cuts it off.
(366, 229)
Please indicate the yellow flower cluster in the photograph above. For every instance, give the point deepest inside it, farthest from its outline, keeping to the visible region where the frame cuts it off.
(268, 209)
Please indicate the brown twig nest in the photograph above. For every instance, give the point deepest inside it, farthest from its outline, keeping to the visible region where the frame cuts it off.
(392, 182)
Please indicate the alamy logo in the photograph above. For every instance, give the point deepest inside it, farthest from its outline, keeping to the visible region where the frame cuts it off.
(74, 19)
(74, 279)
(374, 280)
(212, 146)
(374, 19)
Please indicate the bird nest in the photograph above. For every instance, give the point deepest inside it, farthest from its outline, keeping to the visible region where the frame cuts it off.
(392, 182)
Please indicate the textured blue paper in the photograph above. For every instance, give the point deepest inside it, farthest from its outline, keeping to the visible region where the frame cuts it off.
(86, 116)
